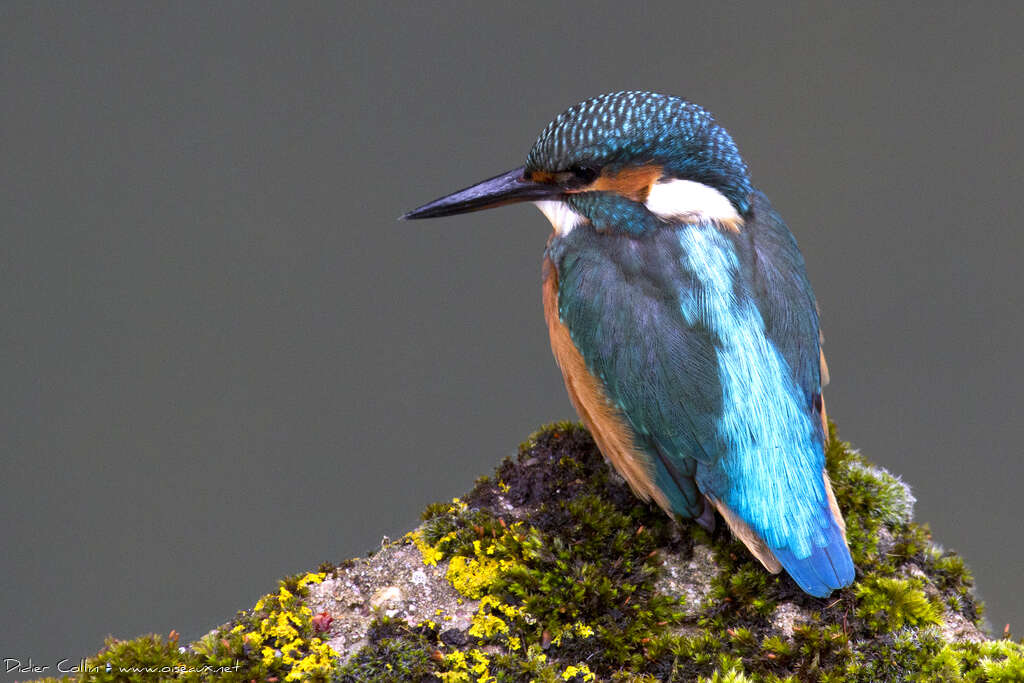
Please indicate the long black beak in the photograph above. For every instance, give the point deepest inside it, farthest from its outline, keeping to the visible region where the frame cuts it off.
(507, 188)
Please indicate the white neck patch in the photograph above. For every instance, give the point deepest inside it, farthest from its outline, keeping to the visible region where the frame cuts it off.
(563, 218)
(691, 201)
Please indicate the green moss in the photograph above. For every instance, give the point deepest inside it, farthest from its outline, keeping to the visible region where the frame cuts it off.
(396, 652)
(587, 554)
(889, 603)
(143, 659)
(729, 674)
(275, 639)
(900, 656)
(565, 591)
(871, 499)
(577, 574)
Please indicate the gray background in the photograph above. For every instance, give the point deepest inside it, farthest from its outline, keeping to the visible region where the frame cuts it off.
(224, 360)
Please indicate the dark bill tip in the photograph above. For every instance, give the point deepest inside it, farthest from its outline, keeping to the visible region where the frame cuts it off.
(507, 188)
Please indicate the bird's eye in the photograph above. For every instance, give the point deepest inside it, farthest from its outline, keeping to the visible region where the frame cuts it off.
(576, 177)
(584, 175)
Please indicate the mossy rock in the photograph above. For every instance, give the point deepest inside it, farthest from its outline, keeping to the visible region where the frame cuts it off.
(551, 570)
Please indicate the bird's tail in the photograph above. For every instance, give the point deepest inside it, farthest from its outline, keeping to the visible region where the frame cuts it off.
(827, 568)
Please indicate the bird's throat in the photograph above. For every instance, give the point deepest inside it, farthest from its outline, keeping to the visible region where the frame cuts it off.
(562, 216)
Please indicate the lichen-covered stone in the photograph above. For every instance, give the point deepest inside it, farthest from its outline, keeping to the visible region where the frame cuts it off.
(565, 567)
(551, 570)
(393, 583)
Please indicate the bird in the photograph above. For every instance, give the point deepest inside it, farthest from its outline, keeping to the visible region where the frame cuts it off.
(683, 321)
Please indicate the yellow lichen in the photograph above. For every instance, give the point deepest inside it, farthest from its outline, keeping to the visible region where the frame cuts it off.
(582, 630)
(278, 635)
(467, 667)
(487, 623)
(578, 670)
(481, 666)
(487, 626)
(455, 661)
(472, 577)
(319, 660)
(493, 604)
(458, 668)
(312, 578)
(431, 555)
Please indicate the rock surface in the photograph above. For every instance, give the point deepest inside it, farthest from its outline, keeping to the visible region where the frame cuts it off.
(551, 570)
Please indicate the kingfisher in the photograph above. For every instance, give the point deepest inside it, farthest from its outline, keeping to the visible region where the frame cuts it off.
(684, 323)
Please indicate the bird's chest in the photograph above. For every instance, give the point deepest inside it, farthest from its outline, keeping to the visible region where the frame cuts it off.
(693, 272)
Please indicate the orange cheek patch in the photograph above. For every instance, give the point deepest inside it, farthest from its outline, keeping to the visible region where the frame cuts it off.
(540, 177)
(633, 182)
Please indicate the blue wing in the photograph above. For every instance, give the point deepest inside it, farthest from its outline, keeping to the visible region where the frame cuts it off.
(707, 343)
(785, 298)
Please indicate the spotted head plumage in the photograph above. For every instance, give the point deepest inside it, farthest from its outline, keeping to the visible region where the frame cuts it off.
(611, 133)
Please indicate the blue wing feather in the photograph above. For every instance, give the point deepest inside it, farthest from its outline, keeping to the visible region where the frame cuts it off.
(707, 341)
(826, 568)
(784, 296)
